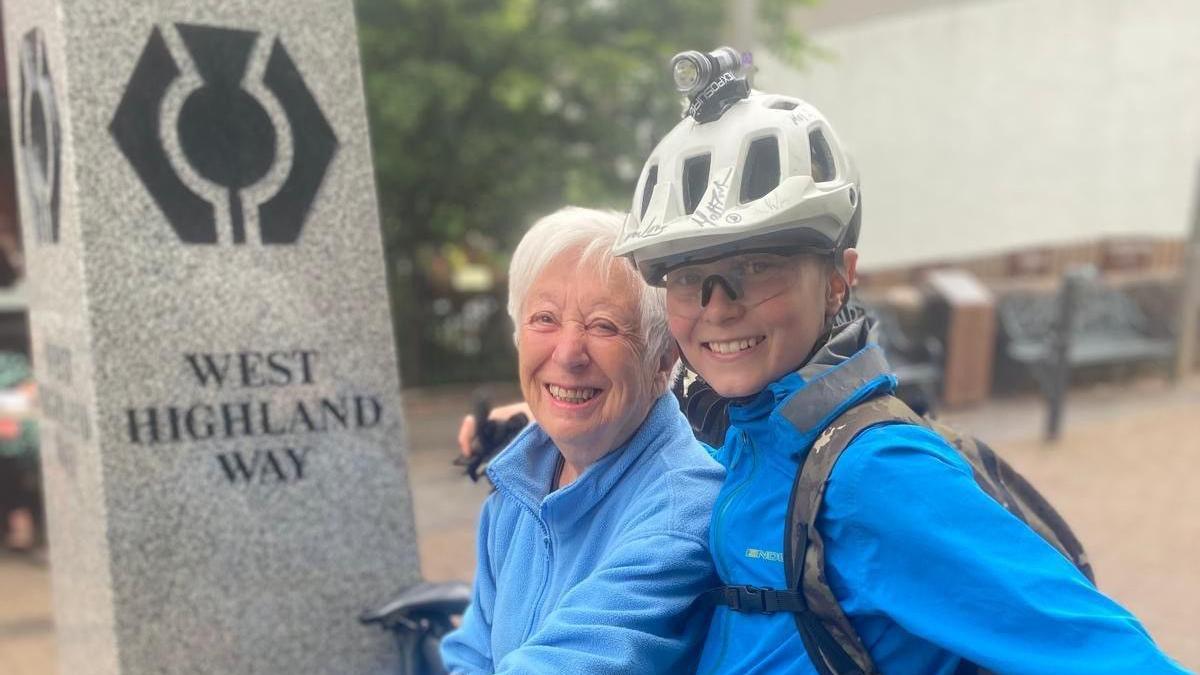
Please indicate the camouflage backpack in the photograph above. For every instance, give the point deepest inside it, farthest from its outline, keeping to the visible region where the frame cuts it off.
(829, 638)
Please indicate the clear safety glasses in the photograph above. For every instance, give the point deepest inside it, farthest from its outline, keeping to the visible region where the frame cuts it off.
(747, 278)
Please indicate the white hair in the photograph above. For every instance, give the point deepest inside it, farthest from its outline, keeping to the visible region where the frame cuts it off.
(590, 234)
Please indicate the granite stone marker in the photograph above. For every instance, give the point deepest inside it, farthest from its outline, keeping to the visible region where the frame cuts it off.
(222, 433)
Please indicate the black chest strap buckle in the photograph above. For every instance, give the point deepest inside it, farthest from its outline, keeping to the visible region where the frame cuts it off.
(754, 599)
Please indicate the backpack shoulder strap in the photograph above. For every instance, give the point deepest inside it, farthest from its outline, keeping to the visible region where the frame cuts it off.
(824, 627)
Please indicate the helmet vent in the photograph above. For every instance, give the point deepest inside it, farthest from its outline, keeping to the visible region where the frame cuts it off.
(761, 174)
(783, 105)
(695, 180)
(651, 181)
(823, 167)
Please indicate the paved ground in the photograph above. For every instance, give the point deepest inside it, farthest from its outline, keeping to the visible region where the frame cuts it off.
(1124, 475)
(26, 629)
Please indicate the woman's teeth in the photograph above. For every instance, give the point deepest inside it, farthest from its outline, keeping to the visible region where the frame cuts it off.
(571, 395)
(734, 345)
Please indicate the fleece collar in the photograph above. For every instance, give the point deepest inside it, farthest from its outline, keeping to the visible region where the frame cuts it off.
(524, 471)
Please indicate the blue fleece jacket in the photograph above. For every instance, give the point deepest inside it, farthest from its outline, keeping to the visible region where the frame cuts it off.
(599, 576)
(926, 566)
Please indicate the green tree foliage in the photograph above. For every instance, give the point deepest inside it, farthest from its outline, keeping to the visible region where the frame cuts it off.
(488, 113)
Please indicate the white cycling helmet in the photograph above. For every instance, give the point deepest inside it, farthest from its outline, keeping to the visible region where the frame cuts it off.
(768, 174)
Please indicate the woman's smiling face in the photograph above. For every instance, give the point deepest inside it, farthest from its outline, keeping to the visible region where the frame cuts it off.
(582, 359)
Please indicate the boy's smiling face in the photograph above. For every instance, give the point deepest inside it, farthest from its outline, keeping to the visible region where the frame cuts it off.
(739, 350)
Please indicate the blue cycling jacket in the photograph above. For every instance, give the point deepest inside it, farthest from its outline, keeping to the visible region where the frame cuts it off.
(927, 567)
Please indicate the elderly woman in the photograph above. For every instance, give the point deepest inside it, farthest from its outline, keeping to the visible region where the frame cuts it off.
(595, 542)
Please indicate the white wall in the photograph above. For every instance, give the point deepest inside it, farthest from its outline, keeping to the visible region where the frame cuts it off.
(987, 125)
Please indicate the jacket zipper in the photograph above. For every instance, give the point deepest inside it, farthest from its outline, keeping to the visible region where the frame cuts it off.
(541, 593)
(719, 539)
(719, 554)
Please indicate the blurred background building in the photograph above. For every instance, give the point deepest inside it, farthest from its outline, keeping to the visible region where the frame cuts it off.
(986, 126)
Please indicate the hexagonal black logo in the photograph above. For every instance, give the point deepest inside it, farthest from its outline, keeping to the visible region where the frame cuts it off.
(41, 139)
(227, 167)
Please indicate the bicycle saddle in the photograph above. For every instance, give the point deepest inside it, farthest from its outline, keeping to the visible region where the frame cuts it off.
(447, 597)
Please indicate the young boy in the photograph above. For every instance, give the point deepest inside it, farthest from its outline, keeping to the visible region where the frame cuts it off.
(931, 572)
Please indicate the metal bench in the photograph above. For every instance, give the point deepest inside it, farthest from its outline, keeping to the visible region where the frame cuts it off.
(1106, 328)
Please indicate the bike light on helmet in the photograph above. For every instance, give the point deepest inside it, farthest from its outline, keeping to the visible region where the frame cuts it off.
(728, 59)
(690, 70)
(712, 82)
